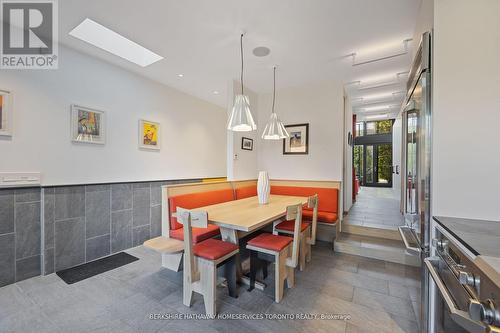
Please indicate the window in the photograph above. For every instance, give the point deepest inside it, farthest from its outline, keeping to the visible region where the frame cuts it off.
(376, 127)
(360, 128)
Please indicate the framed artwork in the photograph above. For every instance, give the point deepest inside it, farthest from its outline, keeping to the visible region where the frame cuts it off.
(149, 135)
(5, 113)
(298, 142)
(246, 143)
(88, 125)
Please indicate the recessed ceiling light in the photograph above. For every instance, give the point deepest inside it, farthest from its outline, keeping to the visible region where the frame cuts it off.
(180, 75)
(215, 92)
(377, 108)
(261, 51)
(112, 42)
(377, 116)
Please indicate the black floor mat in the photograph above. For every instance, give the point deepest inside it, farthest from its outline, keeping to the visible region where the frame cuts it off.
(82, 272)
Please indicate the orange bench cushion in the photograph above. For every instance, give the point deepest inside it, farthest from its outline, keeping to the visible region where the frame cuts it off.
(324, 217)
(290, 226)
(270, 242)
(213, 249)
(196, 200)
(328, 200)
(246, 192)
(199, 234)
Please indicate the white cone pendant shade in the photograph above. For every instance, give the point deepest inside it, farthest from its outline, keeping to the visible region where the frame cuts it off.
(274, 129)
(241, 119)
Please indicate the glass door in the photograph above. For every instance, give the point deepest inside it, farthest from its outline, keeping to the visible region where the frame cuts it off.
(373, 164)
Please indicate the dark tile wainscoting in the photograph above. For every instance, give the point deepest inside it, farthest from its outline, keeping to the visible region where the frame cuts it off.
(20, 234)
(43, 230)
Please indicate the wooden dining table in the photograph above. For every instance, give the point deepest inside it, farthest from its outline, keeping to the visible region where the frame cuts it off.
(239, 218)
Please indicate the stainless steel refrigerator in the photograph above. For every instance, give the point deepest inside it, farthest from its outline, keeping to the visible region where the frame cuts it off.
(416, 165)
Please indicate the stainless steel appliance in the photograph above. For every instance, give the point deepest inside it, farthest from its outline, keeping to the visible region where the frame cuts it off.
(466, 299)
(416, 164)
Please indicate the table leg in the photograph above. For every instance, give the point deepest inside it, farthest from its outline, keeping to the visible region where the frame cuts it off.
(232, 236)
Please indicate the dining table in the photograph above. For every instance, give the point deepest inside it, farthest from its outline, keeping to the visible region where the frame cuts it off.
(238, 218)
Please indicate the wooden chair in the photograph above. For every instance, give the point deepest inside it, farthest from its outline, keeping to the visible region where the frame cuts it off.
(202, 259)
(307, 232)
(284, 250)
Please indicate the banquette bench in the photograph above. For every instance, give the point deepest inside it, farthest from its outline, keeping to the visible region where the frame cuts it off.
(196, 195)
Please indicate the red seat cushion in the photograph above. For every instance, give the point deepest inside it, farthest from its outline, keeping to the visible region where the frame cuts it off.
(196, 200)
(328, 197)
(324, 217)
(290, 226)
(213, 249)
(199, 234)
(270, 242)
(246, 192)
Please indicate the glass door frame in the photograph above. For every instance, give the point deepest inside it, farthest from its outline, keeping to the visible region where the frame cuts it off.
(375, 176)
(374, 140)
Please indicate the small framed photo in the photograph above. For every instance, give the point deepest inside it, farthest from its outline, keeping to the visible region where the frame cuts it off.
(88, 125)
(246, 143)
(149, 135)
(5, 113)
(298, 142)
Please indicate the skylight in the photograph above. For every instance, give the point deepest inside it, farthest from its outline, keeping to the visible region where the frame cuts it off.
(98, 35)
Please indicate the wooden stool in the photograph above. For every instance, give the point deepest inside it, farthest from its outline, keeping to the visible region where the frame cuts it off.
(307, 232)
(202, 259)
(284, 249)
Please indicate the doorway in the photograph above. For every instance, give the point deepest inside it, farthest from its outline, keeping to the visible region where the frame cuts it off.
(372, 156)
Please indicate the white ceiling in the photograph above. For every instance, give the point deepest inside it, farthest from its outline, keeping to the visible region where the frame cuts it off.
(309, 39)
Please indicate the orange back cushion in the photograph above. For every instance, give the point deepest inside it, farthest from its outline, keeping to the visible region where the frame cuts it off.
(246, 192)
(328, 197)
(196, 200)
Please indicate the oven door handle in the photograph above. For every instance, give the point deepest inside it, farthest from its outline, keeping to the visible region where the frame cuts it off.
(460, 317)
(411, 249)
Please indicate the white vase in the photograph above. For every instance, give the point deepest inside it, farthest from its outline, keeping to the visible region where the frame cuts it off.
(263, 188)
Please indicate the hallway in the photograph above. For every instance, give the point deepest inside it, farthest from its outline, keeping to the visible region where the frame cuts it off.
(376, 207)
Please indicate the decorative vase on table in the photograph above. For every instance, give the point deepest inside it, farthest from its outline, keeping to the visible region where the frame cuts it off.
(263, 188)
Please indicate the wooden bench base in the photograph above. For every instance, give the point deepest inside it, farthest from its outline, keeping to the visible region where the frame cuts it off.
(171, 251)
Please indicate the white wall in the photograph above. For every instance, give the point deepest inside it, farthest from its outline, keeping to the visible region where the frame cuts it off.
(321, 106)
(193, 131)
(425, 22)
(244, 166)
(466, 162)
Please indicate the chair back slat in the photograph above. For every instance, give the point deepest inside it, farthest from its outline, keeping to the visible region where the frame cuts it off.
(313, 202)
(291, 212)
(295, 211)
(189, 219)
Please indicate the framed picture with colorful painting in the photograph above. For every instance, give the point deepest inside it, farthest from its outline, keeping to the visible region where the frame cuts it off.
(149, 135)
(5, 113)
(88, 125)
(298, 142)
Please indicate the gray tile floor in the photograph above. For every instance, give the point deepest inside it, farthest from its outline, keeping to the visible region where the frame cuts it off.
(379, 297)
(376, 207)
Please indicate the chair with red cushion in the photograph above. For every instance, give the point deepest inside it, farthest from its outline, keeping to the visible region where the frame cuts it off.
(284, 249)
(307, 231)
(202, 259)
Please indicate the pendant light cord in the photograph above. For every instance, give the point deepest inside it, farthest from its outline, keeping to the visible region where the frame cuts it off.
(274, 86)
(241, 50)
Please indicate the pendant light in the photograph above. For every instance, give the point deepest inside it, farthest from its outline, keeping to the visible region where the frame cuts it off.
(241, 119)
(275, 130)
